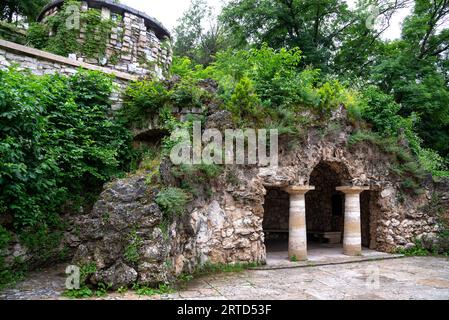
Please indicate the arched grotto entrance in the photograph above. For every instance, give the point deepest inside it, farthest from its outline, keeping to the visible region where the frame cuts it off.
(325, 205)
(328, 216)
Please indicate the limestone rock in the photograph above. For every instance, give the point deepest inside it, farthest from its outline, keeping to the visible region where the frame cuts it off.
(118, 275)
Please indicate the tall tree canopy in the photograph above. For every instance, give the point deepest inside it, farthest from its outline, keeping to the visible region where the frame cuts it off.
(414, 70)
(325, 30)
(28, 9)
(346, 43)
(199, 35)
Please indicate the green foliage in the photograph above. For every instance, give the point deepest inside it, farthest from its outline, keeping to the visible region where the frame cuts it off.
(86, 271)
(10, 9)
(58, 146)
(196, 178)
(11, 32)
(193, 41)
(172, 202)
(197, 173)
(264, 84)
(81, 293)
(131, 254)
(122, 290)
(186, 95)
(147, 291)
(361, 136)
(143, 100)
(98, 32)
(381, 111)
(64, 38)
(418, 250)
(244, 102)
(8, 276)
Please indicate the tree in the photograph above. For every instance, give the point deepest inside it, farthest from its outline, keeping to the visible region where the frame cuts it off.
(11, 10)
(199, 35)
(326, 31)
(414, 70)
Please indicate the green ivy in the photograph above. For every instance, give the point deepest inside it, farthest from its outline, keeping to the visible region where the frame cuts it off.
(58, 146)
(55, 36)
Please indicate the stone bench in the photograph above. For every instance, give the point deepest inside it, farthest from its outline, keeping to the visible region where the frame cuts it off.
(275, 231)
(333, 237)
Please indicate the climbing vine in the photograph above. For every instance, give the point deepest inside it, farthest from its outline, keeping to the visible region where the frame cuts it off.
(61, 35)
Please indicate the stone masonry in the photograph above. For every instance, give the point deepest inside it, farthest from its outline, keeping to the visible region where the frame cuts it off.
(138, 44)
(41, 63)
(227, 226)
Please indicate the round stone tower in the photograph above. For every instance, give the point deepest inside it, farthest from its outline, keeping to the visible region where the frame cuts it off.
(137, 43)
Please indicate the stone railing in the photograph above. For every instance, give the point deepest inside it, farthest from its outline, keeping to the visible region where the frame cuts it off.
(42, 63)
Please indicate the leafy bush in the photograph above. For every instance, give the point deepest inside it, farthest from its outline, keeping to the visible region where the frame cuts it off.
(187, 95)
(57, 147)
(244, 102)
(418, 250)
(172, 202)
(143, 100)
(381, 111)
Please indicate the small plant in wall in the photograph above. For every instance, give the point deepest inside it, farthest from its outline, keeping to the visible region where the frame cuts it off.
(131, 254)
(172, 202)
(294, 259)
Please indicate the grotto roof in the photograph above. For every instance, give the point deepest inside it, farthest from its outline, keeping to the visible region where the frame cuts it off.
(150, 22)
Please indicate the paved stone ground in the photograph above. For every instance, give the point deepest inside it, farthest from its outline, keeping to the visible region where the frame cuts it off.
(318, 254)
(403, 278)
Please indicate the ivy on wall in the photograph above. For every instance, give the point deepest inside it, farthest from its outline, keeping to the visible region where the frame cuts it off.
(12, 33)
(59, 36)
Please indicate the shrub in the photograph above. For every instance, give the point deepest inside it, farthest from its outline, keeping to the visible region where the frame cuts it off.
(143, 100)
(58, 146)
(244, 103)
(172, 202)
(381, 111)
(418, 250)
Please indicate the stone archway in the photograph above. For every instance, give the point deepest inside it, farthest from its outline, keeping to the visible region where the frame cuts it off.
(328, 209)
(325, 205)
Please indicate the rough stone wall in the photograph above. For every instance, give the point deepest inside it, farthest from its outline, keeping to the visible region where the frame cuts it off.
(42, 63)
(239, 236)
(227, 227)
(132, 47)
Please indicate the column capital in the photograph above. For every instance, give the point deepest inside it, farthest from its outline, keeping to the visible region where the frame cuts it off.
(352, 189)
(298, 189)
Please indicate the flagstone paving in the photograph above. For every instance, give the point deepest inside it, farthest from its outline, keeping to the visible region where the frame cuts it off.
(403, 278)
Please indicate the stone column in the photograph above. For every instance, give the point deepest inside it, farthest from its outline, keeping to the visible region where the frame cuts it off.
(297, 242)
(352, 237)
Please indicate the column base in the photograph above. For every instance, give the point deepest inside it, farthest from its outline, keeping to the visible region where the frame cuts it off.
(352, 250)
(297, 255)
